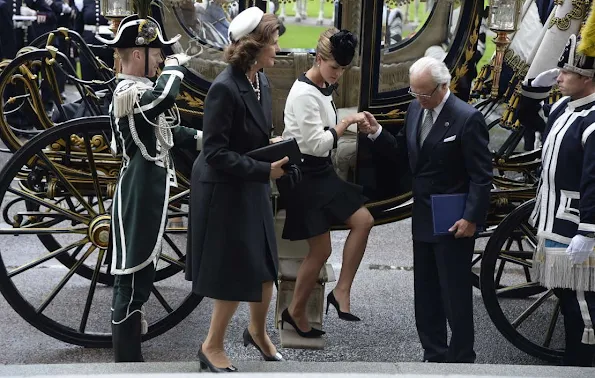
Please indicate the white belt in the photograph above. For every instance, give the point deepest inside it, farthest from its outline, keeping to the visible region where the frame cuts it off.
(101, 29)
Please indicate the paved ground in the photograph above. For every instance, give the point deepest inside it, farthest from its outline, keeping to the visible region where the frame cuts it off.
(382, 297)
(300, 369)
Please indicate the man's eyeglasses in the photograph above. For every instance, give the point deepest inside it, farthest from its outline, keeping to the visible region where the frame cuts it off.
(422, 95)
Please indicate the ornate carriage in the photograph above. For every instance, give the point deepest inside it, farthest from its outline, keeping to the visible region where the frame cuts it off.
(56, 189)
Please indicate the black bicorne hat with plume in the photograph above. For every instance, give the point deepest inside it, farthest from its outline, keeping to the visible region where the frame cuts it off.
(343, 45)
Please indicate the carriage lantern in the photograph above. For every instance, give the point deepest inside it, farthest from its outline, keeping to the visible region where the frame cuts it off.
(116, 9)
(503, 19)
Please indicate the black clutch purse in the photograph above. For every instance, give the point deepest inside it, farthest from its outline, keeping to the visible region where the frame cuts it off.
(277, 151)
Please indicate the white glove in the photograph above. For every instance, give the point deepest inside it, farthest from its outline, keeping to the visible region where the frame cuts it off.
(580, 248)
(546, 78)
(26, 11)
(177, 60)
(66, 9)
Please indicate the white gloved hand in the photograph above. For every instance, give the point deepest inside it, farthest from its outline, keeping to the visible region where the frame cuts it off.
(580, 248)
(66, 9)
(177, 60)
(26, 11)
(546, 78)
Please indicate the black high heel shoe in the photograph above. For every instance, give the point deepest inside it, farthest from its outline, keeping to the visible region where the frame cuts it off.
(311, 334)
(331, 300)
(249, 340)
(206, 364)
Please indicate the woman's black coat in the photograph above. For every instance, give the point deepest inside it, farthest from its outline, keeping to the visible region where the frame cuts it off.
(231, 238)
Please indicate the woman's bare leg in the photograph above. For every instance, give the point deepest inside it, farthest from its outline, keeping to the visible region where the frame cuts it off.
(212, 347)
(360, 223)
(258, 318)
(320, 250)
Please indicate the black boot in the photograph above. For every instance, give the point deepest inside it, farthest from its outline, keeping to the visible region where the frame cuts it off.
(126, 339)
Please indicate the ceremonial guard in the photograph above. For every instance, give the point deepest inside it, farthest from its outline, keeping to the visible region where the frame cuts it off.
(144, 130)
(91, 23)
(564, 212)
(8, 46)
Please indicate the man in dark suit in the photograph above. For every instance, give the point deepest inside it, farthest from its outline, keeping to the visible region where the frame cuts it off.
(446, 141)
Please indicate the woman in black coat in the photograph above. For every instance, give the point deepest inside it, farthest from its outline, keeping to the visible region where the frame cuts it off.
(232, 252)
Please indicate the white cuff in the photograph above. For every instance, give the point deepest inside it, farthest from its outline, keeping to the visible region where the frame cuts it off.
(198, 138)
(373, 137)
(588, 227)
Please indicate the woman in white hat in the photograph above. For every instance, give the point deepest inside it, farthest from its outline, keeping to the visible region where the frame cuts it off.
(232, 251)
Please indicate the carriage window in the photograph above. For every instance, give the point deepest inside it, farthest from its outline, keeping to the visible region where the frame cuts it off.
(303, 21)
(206, 20)
(431, 23)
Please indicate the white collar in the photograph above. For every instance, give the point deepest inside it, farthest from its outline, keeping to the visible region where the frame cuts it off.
(581, 101)
(141, 79)
(436, 111)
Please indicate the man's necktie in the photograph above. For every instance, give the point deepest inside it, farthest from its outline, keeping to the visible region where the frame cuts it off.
(426, 126)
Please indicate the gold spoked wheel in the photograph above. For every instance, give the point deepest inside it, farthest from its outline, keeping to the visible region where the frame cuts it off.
(55, 196)
(526, 313)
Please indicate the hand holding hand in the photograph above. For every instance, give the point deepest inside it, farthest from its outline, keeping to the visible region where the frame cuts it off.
(463, 229)
(546, 79)
(370, 126)
(580, 248)
(277, 168)
(358, 118)
(177, 60)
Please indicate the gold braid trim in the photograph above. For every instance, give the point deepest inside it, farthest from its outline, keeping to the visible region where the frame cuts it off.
(514, 61)
(578, 12)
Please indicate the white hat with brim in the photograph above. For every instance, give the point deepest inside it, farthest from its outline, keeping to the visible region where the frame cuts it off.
(244, 23)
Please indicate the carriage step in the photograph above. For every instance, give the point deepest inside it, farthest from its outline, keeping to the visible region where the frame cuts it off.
(290, 339)
(314, 308)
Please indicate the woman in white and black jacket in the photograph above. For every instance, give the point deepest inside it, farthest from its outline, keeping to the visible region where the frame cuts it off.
(321, 198)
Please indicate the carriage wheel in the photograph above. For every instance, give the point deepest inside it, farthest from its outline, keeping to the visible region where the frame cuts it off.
(526, 313)
(58, 191)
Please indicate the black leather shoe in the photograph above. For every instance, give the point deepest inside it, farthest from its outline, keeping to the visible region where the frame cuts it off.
(249, 340)
(331, 300)
(311, 334)
(205, 364)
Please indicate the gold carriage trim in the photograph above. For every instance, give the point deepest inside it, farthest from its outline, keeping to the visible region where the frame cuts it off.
(516, 63)
(463, 69)
(389, 3)
(578, 12)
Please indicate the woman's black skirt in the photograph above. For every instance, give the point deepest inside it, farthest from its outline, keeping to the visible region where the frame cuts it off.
(321, 199)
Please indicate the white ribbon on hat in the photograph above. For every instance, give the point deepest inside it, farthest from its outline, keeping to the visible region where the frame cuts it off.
(134, 23)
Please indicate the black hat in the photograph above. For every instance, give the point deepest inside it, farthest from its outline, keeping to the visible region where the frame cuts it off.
(574, 61)
(138, 32)
(343, 44)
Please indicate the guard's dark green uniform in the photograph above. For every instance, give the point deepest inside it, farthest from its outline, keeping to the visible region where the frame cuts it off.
(143, 135)
(139, 210)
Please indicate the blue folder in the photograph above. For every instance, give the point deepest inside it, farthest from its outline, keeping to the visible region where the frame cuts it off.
(447, 209)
